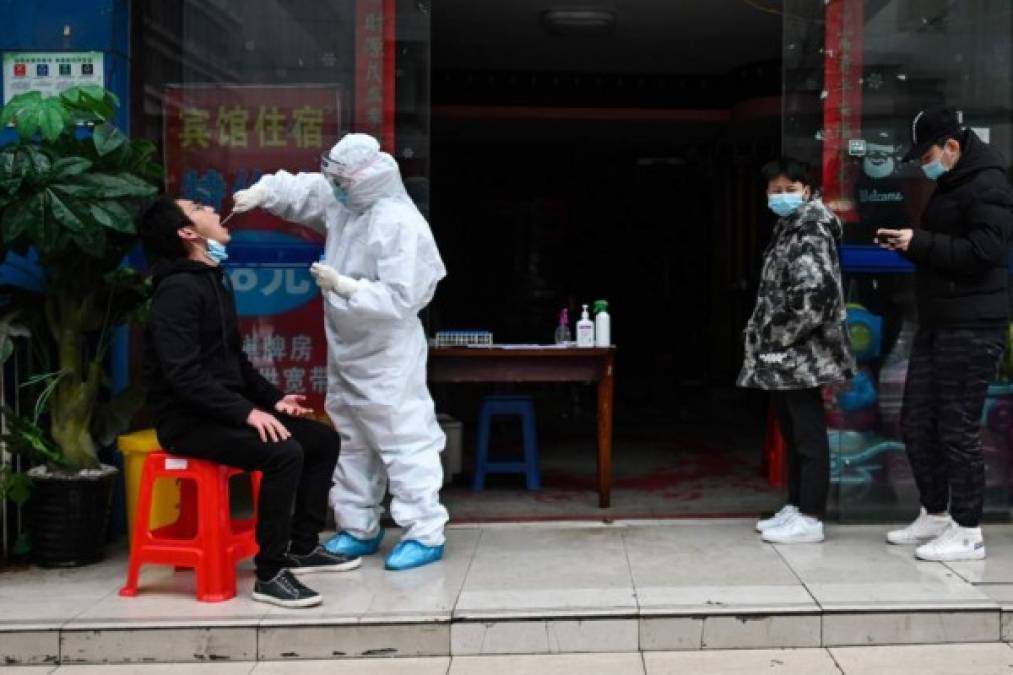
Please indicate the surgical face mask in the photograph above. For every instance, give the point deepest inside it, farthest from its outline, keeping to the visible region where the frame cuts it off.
(216, 251)
(785, 203)
(934, 169)
(331, 170)
(340, 193)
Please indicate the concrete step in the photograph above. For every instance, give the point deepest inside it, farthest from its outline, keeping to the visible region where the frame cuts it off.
(560, 589)
(180, 641)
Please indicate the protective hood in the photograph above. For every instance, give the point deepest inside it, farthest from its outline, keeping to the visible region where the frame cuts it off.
(366, 173)
(380, 179)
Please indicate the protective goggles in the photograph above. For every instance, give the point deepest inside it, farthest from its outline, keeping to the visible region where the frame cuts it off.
(333, 171)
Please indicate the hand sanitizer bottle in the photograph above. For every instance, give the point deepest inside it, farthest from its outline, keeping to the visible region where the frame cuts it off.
(585, 330)
(563, 336)
(602, 324)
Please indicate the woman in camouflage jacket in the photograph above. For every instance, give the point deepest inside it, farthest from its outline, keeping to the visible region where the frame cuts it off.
(797, 341)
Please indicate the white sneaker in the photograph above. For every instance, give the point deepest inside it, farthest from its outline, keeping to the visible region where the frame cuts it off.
(924, 529)
(778, 519)
(799, 529)
(956, 543)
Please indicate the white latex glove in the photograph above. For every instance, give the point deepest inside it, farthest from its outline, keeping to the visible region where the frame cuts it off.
(249, 199)
(328, 279)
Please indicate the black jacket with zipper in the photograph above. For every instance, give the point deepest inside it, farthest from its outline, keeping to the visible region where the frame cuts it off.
(194, 366)
(960, 251)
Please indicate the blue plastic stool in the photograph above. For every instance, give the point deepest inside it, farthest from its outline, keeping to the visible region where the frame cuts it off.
(523, 407)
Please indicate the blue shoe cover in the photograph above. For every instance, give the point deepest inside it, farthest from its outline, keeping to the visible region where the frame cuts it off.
(345, 544)
(409, 554)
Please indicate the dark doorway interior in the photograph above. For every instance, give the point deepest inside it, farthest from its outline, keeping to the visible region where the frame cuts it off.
(570, 166)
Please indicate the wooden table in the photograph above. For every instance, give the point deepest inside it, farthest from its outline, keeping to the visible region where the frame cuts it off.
(586, 365)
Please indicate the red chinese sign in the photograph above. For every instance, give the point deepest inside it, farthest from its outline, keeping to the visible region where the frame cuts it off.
(374, 70)
(222, 139)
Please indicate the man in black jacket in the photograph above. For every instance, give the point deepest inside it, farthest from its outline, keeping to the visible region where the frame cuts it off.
(960, 254)
(210, 403)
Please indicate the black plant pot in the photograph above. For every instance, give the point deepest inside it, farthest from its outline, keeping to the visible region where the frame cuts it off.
(68, 517)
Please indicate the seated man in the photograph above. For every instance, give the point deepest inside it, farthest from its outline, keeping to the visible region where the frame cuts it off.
(210, 403)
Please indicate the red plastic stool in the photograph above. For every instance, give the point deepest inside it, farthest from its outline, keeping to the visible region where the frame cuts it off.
(205, 537)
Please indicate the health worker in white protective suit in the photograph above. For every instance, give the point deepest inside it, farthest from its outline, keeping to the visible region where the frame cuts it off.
(380, 269)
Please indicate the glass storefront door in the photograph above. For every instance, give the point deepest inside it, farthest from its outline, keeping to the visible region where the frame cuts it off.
(855, 74)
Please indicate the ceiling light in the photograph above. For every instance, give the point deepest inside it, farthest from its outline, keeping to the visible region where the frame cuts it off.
(579, 21)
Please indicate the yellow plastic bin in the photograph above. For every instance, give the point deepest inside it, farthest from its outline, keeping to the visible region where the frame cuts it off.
(165, 499)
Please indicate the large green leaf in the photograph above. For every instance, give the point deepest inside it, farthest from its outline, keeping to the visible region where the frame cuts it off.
(70, 166)
(20, 217)
(22, 105)
(117, 219)
(44, 230)
(35, 114)
(14, 162)
(142, 148)
(19, 489)
(15, 485)
(39, 161)
(12, 165)
(71, 96)
(97, 93)
(51, 120)
(27, 99)
(76, 190)
(117, 209)
(108, 138)
(26, 438)
(98, 100)
(27, 123)
(63, 213)
(8, 160)
(112, 186)
(9, 187)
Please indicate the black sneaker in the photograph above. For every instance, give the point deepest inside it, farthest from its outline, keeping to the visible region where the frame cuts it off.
(285, 590)
(322, 560)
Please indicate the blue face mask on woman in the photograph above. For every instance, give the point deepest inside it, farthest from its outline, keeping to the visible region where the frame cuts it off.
(785, 203)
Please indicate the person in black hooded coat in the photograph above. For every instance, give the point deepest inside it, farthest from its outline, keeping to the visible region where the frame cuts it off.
(960, 253)
(210, 403)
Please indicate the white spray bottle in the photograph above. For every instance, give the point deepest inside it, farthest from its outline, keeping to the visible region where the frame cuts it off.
(602, 324)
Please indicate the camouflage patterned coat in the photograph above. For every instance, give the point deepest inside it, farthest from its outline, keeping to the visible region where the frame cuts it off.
(797, 337)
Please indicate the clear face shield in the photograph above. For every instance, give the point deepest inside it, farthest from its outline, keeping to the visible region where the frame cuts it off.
(334, 173)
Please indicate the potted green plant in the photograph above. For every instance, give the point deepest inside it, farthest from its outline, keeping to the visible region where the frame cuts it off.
(71, 186)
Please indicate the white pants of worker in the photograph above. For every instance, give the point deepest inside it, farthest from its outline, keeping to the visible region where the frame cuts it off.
(360, 481)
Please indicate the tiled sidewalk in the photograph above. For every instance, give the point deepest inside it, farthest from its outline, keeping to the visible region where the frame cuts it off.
(535, 589)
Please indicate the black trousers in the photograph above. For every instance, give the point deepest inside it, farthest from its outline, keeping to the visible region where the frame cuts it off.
(297, 475)
(947, 381)
(804, 428)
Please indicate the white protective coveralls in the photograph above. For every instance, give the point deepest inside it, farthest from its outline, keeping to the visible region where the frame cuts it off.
(377, 396)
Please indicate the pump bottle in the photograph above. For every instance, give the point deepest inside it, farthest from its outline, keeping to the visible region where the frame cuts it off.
(585, 330)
